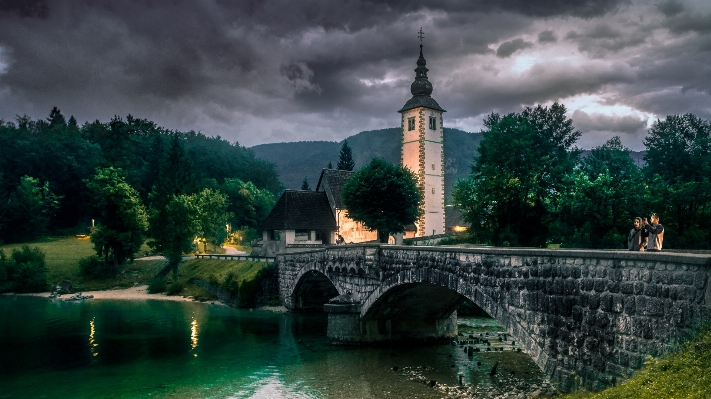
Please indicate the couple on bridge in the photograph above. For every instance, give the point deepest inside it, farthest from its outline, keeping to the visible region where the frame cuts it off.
(645, 235)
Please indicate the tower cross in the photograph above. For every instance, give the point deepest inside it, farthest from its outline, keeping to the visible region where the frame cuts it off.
(421, 35)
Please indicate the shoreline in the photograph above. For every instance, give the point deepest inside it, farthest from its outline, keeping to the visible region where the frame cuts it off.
(140, 293)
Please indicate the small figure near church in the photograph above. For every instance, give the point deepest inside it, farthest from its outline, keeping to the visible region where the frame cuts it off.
(340, 240)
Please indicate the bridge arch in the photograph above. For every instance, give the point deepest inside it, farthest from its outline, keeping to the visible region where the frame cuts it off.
(412, 293)
(313, 289)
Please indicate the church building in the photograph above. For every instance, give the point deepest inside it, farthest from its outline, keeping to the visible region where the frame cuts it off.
(303, 219)
(423, 149)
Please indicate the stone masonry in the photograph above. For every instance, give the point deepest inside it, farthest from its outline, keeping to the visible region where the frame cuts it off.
(586, 317)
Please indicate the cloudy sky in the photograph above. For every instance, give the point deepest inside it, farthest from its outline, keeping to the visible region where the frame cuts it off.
(273, 71)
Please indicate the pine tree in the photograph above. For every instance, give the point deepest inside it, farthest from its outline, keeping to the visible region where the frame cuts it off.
(345, 159)
(305, 185)
(330, 166)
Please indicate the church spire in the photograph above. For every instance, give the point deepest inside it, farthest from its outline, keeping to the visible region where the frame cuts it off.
(421, 86)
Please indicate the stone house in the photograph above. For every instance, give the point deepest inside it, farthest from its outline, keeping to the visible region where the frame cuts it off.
(300, 219)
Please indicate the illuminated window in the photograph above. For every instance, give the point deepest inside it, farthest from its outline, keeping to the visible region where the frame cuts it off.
(410, 124)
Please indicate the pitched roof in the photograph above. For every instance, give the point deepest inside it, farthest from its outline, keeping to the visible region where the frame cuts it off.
(296, 210)
(334, 179)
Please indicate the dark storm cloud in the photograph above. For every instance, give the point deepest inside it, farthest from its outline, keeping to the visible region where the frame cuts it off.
(547, 36)
(506, 49)
(260, 71)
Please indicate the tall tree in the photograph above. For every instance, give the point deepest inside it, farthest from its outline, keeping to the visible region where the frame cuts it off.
(247, 204)
(212, 216)
(678, 171)
(605, 194)
(173, 228)
(345, 158)
(121, 218)
(519, 175)
(383, 197)
(28, 210)
(305, 185)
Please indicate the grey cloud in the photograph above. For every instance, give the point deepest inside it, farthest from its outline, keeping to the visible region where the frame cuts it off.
(598, 122)
(602, 39)
(547, 36)
(506, 49)
(689, 22)
(670, 8)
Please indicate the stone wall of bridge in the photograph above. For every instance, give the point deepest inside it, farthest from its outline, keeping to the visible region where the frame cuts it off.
(586, 317)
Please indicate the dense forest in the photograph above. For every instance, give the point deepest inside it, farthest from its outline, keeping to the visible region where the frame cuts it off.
(46, 166)
(531, 186)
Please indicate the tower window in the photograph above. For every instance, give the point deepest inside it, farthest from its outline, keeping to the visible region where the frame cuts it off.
(410, 124)
(433, 190)
(433, 123)
(433, 167)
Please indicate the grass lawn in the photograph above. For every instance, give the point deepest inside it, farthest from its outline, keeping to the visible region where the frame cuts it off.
(681, 375)
(62, 256)
(215, 271)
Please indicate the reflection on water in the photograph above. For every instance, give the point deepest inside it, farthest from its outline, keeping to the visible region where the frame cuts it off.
(92, 341)
(151, 348)
(194, 335)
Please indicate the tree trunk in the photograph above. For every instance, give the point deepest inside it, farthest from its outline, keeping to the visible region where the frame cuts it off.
(383, 237)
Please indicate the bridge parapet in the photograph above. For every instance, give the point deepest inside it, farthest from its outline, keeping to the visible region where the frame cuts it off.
(586, 317)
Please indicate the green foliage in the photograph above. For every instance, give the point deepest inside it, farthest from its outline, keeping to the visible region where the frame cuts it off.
(122, 217)
(519, 175)
(305, 185)
(605, 193)
(26, 271)
(28, 210)
(383, 197)
(678, 176)
(64, 154)
(95, 267)
(157, 284)
(173, 228)
(175, 288)
(345, 158)
(247, 204)
(212, 216)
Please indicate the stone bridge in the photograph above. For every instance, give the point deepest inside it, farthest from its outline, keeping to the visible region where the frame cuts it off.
(584, 316)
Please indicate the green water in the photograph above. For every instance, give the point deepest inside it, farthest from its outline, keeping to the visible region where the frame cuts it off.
(161, 349)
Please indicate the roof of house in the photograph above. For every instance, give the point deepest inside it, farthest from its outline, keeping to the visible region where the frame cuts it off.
(297, 210)
(335, 180)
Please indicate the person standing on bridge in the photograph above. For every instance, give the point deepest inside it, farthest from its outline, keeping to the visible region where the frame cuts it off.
(637, 239)
(656, 233)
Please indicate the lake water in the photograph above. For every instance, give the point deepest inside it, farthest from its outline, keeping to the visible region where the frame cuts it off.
(162, 349)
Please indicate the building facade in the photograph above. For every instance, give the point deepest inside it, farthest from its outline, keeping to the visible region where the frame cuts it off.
(423, 149)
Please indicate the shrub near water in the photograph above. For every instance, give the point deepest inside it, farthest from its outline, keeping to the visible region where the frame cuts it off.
(158, 284)
(682, 375)
(25, 271)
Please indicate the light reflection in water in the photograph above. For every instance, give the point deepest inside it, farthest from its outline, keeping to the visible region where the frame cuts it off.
(194, 335)
(92, 338)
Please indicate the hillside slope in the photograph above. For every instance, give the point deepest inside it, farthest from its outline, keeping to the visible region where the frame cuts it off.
(297, 160)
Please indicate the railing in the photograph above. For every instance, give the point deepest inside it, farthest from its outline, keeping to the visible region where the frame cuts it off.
(236, 257)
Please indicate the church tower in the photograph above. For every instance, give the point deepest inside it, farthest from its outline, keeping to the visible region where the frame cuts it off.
(423, 149)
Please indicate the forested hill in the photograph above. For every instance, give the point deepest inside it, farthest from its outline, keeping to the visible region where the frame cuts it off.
(297, 160)
(45, 165)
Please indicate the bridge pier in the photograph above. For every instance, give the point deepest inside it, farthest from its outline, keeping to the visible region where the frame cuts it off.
(343, 322)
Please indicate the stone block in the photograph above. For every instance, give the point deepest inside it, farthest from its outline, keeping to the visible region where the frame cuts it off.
(627, 288)
(639, 288)
(650, 290)
(593, 300)
(700, 279)
(655, 307)
(641, 305)
(645, 275)
(606, 302)
(600, 284)
(618, 302)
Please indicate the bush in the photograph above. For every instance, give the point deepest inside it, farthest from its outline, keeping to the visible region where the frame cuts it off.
(158, 284)
(93, 266)
(27, 270)
(231, 283)
(175, 288)
(30, 277)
